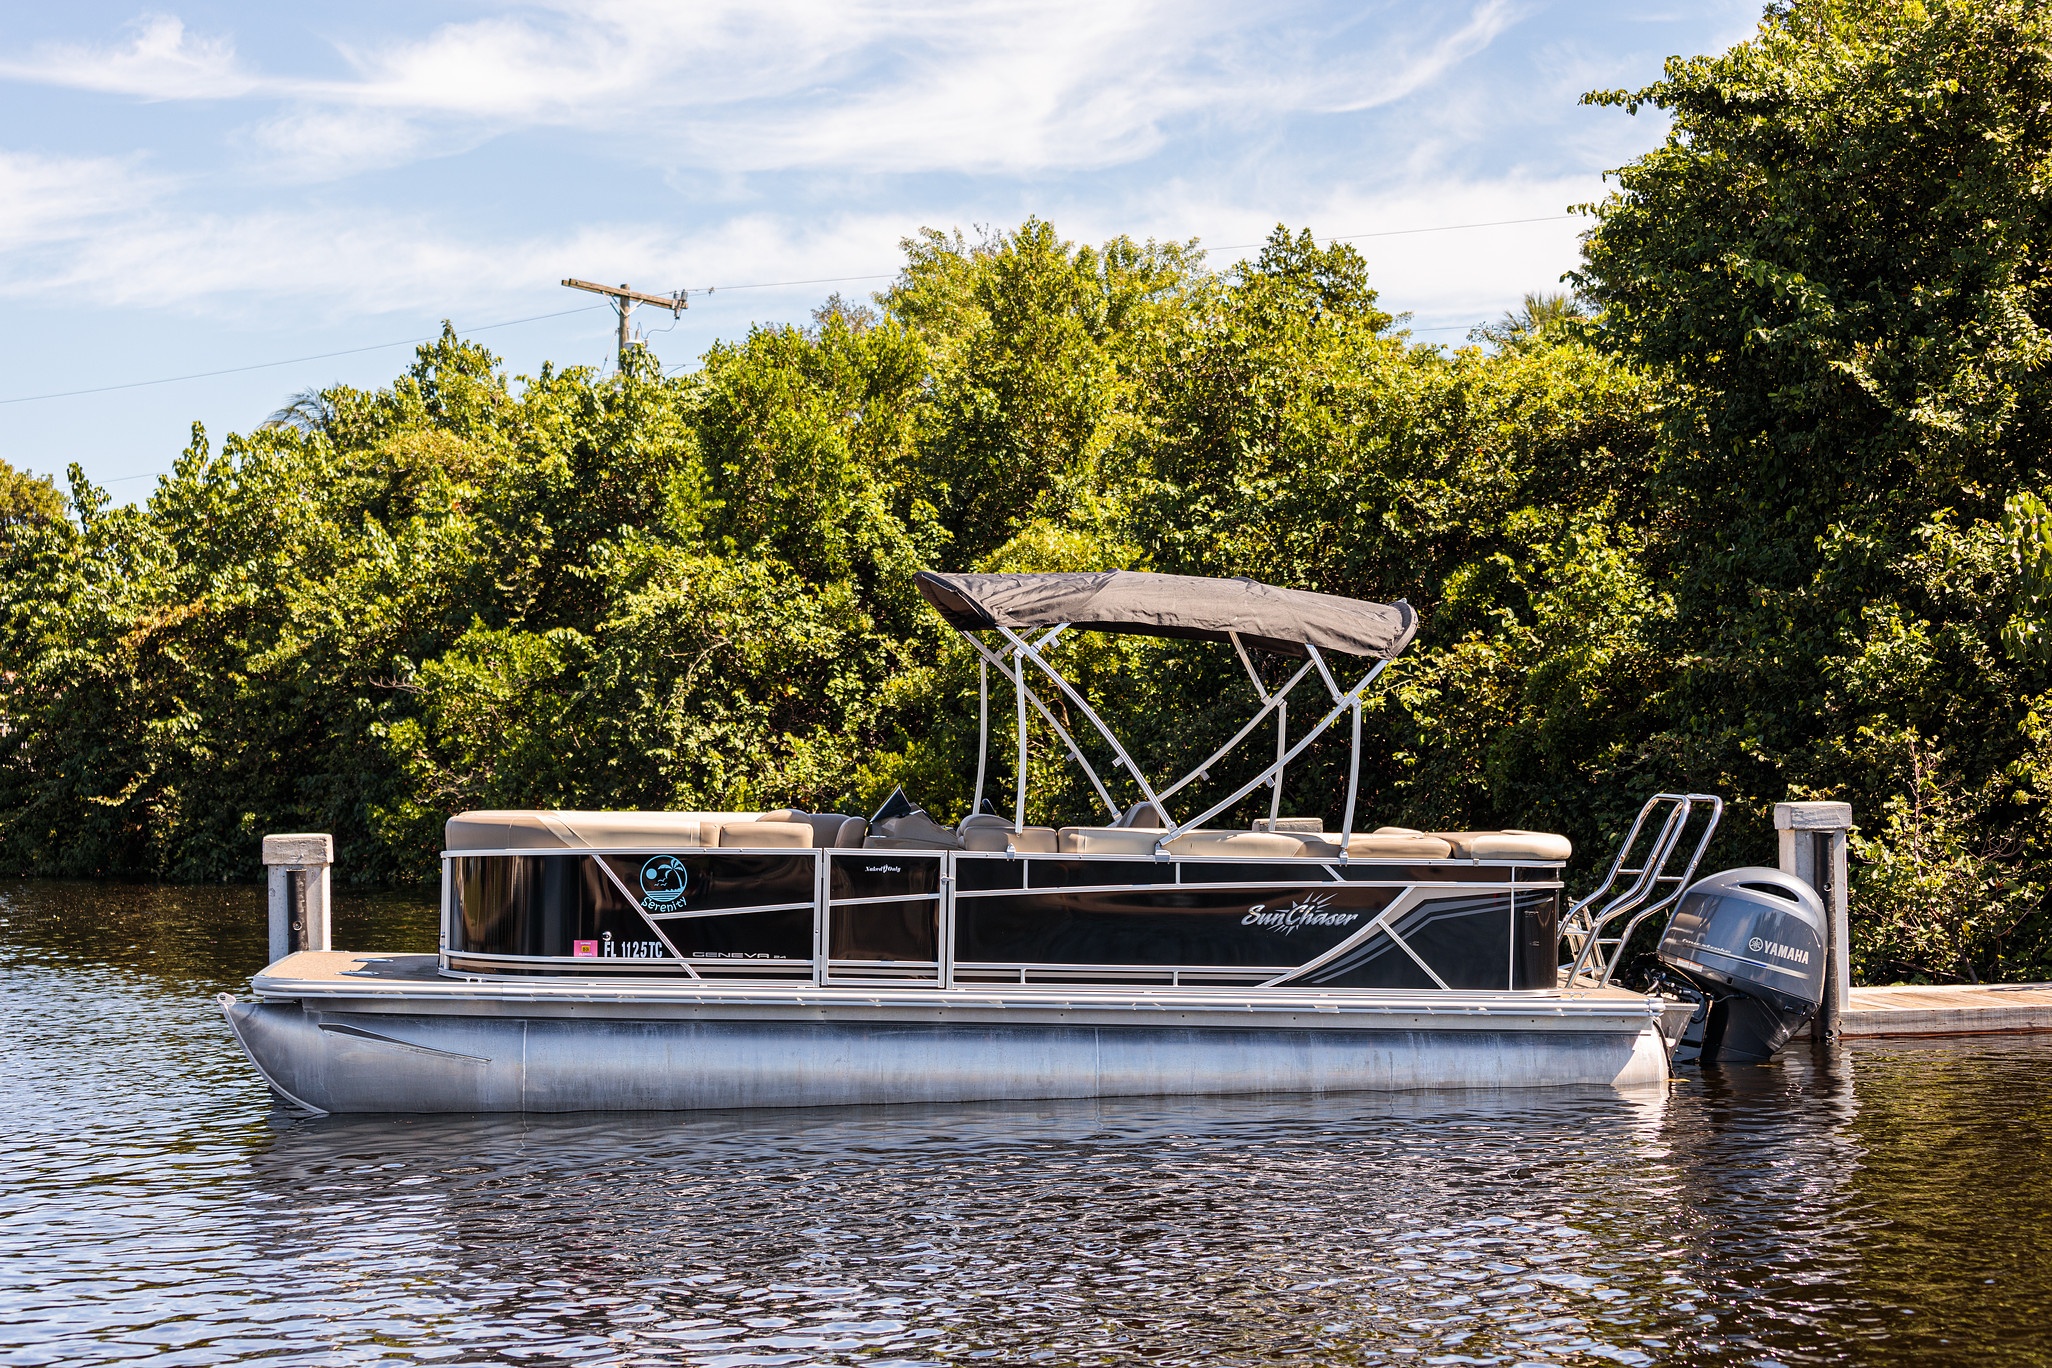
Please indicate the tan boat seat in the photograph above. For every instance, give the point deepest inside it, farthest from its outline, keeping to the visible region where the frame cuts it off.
(1105, 841)
(830, 830)
(1508, 845)
(1031, 841)
(1381, 845)
(983, 819)
(1293, 826)
(768, 835)
(1142, 817)
(550, 829)
(1238, 845)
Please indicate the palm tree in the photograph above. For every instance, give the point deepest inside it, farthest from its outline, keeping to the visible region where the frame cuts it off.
(310, 411)
(1540, 315)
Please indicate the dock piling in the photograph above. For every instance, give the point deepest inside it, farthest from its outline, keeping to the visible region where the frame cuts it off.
(1813, 848)
(297, 865)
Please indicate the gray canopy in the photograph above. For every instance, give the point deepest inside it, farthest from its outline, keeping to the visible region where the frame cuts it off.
(1271, 619)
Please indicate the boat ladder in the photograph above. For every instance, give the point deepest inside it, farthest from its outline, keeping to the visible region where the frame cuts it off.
(1633, 893)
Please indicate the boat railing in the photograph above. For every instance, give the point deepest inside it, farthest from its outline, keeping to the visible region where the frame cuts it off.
(904, 917)
(1633, 894)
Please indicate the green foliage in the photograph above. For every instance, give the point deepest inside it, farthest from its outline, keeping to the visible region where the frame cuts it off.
(2027, 528)
(27, 500)
(1940, 898)
(1835, 270)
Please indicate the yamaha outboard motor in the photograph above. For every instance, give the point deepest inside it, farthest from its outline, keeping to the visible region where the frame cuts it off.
(1753, 941)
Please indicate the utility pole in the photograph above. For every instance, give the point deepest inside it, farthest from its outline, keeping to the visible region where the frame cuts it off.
(625, 299)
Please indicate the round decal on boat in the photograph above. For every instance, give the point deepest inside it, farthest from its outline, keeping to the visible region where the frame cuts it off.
(663, 880)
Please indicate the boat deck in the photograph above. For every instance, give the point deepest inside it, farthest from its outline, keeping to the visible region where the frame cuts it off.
(361, 981)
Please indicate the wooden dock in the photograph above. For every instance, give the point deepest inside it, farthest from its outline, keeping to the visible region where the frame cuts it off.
(1950, 1010)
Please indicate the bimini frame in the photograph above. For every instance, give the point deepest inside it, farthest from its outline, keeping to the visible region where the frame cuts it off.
(1020, 648)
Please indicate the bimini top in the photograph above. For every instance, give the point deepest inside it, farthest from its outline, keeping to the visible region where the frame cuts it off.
(1284, 621)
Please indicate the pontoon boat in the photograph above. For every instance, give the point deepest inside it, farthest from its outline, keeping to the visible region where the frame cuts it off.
(674, 960)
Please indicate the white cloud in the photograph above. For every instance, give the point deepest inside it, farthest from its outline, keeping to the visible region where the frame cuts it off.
(348, 262)
(1483, 27)
(859, 85)
(59, 199)
(313, 143)
(163, 62)
(1012, 93)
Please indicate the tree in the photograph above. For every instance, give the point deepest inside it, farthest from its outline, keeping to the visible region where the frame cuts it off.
(27, 500)
(1836, 268)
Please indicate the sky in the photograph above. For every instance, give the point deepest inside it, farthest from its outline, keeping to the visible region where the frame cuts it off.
(291, 194)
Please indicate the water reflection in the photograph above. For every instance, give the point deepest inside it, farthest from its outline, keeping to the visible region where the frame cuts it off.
(1268, 1230)
(1879, 1204)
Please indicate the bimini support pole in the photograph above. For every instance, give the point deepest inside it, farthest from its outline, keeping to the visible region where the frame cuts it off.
(1282, 722)
(1019, 693)
(1353, 783)
(982, 730)
(1202, 770)
(1019, 646)
(1346, 700)
(1047, 716)
(1282, 743)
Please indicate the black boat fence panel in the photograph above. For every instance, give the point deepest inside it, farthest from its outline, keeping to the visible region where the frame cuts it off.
(913, 917)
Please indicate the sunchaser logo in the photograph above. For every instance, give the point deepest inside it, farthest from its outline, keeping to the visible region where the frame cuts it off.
(1311, 911)
(1761, 946)
(663, 881)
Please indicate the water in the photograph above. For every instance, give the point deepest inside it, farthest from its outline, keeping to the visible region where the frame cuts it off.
(1887, 1205)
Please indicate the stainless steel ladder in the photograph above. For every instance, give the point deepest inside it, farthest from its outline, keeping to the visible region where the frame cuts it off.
(1648, 888)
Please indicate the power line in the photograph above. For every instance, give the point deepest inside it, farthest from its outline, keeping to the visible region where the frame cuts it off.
(824, 280)
(292, 361)
(761, 285)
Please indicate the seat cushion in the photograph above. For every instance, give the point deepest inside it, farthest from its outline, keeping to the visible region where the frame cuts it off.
(1141, 817)
(830, 830)
(1513, 844)
(983, 819)
(1292, 826)
(1508, 845)
(767, 835)
(1389, 845)
(1106, 841)
(559, 830)
(1031, 841)
(1238, 845)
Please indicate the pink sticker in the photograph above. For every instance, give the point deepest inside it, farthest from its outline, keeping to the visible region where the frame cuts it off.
(584, 949)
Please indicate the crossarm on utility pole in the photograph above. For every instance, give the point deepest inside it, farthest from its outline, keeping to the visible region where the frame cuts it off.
(676, 303)
(624, 301)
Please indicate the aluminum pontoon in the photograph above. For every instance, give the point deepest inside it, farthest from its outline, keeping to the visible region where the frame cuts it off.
(675, 960)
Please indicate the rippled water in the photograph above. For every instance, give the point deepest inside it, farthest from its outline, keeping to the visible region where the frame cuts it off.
(1885, 1205)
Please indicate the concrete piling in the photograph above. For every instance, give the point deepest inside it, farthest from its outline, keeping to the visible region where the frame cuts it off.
(1813, 848)
(297, 867)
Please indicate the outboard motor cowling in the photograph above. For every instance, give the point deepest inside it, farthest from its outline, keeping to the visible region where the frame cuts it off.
(1753, 941)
